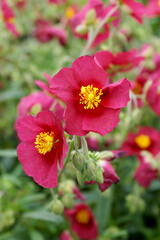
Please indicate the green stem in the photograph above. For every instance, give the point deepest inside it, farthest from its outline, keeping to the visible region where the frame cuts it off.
(92, 35)
(84, 148)
(71, 145)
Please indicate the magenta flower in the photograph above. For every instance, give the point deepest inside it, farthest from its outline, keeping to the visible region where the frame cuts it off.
(147, 139)
(65, 236)
(135, 9)
(80, 19)
(43, 85)
(120, 62)
(39, 99)
(153, 96)
(153, 8)
(36, 102)
(82, 221)
(45, 32)
(43, 144)
(146, 173)
(21, 4)
(8, 17)
(58, 2)
(92, 104)
(57, 107)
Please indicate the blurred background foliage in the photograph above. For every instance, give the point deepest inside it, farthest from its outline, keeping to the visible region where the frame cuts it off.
(126, 210)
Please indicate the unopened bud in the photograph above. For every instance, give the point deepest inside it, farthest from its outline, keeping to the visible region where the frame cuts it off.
(91, 16)
(57, 207)
(106, 155)
(79, 177)
(68, 200)
(99, 176)
(78, 161)
(66, 186)
(82, 29)
(91, 169)
(36, 109)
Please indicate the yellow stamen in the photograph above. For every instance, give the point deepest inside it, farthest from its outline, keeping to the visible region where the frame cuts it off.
(83, 216)
(158, 3)
(10, 20)
(143, 141)
(44, 142)
(90, 96)
(137, 88)
(70, 12)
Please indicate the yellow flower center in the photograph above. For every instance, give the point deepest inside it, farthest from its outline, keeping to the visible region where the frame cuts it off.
(44, 142)
(90, 96)
(10, 20)
(83, 216)
(158, 3)
(70, 12)
(143, 141)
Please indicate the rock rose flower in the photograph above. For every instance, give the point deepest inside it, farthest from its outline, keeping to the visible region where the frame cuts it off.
(43, 144)
(92, 104)
(148, 169)
(82, 221)
(9, 17)
(147, 139)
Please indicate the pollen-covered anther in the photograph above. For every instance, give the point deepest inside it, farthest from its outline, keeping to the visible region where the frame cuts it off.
(83, 216)
(143, 141)
(90, 96)
(44, 142)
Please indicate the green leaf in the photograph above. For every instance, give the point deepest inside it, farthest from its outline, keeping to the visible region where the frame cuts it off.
(36, 235)
(45, 216)
(8, 153)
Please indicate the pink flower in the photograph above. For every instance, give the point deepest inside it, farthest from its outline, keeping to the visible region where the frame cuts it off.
(43, 144)
(65, 236)
(57, 107)
(121, 62)
(9, 17)
(145, 173)
(21, 4)
(153, 96)
(92, 142)
(39, 99)
(153, 8)
(80, 19)
(36, 102)
(136, 9)
(147, 139)
(82, 221)
(92, 104)
(58, 2)
(45, 32)
(43, 85)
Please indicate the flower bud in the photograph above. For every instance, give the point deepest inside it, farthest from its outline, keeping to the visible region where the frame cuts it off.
(68, 200)
(135, 203)
(82, 29)
(99, 176)
(78, 161)
(91, 16)
(66, 187)
(57, 207)
(79, 177)
(91, 170)
(36, 109)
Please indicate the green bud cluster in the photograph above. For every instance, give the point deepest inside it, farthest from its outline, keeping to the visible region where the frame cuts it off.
(7, 219)
(88, 169)
(57, 207)
(135, 203)
(90, 21)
